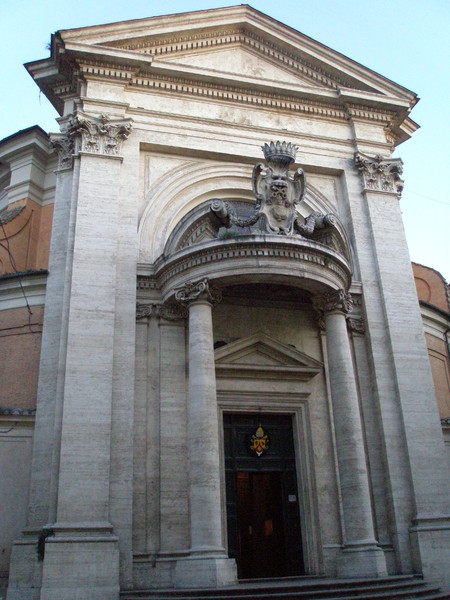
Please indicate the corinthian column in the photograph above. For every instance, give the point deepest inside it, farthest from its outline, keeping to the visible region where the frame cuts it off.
(212, 566)
(361, 555)
(206, 527)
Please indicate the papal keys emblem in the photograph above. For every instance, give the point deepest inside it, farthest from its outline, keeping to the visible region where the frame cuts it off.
(259, 442)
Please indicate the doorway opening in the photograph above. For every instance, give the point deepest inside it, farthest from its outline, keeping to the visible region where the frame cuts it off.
(263, 518)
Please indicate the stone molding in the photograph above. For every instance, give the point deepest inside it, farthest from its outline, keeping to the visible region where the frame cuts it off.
(64, 147)
(280, 101)
(338, 300)
(380, 174)
(287, 250)
(98, 135)
(162, 47)
(193, 291)
(6, 411)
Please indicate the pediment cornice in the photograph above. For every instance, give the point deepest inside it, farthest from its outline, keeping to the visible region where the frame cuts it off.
(263, 357)
(171, 55)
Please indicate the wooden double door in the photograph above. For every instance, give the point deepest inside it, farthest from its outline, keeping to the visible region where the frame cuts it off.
(263, 517)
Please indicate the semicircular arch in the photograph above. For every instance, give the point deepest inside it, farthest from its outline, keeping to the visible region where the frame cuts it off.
(186, 187)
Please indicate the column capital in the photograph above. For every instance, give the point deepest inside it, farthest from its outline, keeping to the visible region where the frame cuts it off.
(168, 312)
(64, 147)
(171, 312)
(143, 311)
(380, 174)
(98, 135)
(340, 301)
(356, 325)
(198, 290)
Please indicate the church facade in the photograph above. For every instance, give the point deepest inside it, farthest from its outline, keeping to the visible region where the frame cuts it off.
(233, 379)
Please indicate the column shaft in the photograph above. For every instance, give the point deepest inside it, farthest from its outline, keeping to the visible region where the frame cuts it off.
(361, 554)
(206, 527)
(349, 437)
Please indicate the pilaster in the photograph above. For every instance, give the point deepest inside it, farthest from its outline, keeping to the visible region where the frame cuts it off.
(78, 361)
(404, 341)
(25, 569)
(174, 485)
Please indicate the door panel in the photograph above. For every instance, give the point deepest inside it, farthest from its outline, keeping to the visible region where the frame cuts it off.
(261, 528)
(263, 518)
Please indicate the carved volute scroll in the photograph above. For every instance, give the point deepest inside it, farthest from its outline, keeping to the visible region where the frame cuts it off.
(380, 174)
(198, 290)
(143, 311)
(98, 135)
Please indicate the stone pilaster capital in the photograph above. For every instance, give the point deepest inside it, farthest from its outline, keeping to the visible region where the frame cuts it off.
(143, 311)
(380, 174)
(171, 312)
(64, 147)
(340, 301)
(198, 290)
(98, 134)
(356, 325)
(168, 312)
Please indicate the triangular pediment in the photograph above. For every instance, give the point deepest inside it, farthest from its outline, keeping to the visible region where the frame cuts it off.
(264, 357)
(205, 39)
(237, 54)
(242, 62)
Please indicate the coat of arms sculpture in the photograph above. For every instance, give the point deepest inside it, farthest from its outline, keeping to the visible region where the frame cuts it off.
(277, 194)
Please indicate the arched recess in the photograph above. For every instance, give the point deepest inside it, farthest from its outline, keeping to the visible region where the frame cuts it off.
(190, 185)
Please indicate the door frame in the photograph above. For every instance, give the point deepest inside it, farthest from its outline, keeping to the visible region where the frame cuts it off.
(296, 406)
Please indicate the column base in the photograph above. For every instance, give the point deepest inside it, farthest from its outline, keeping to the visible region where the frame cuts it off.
(25, 570)
(362, 560)
(205, 572)
(430, 540)
(81, 561)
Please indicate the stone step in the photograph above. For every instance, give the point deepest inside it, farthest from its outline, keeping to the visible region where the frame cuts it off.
(402, 587)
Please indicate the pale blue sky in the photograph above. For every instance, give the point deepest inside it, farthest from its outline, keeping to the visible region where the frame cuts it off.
(407, 41)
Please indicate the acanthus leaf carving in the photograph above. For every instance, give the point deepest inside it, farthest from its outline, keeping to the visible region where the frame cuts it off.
(63, 145)
(380, 174)
(171, 312)
(98, 135)
(338, 300)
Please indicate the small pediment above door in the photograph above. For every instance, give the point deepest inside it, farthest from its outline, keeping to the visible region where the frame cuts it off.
(263, 357)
